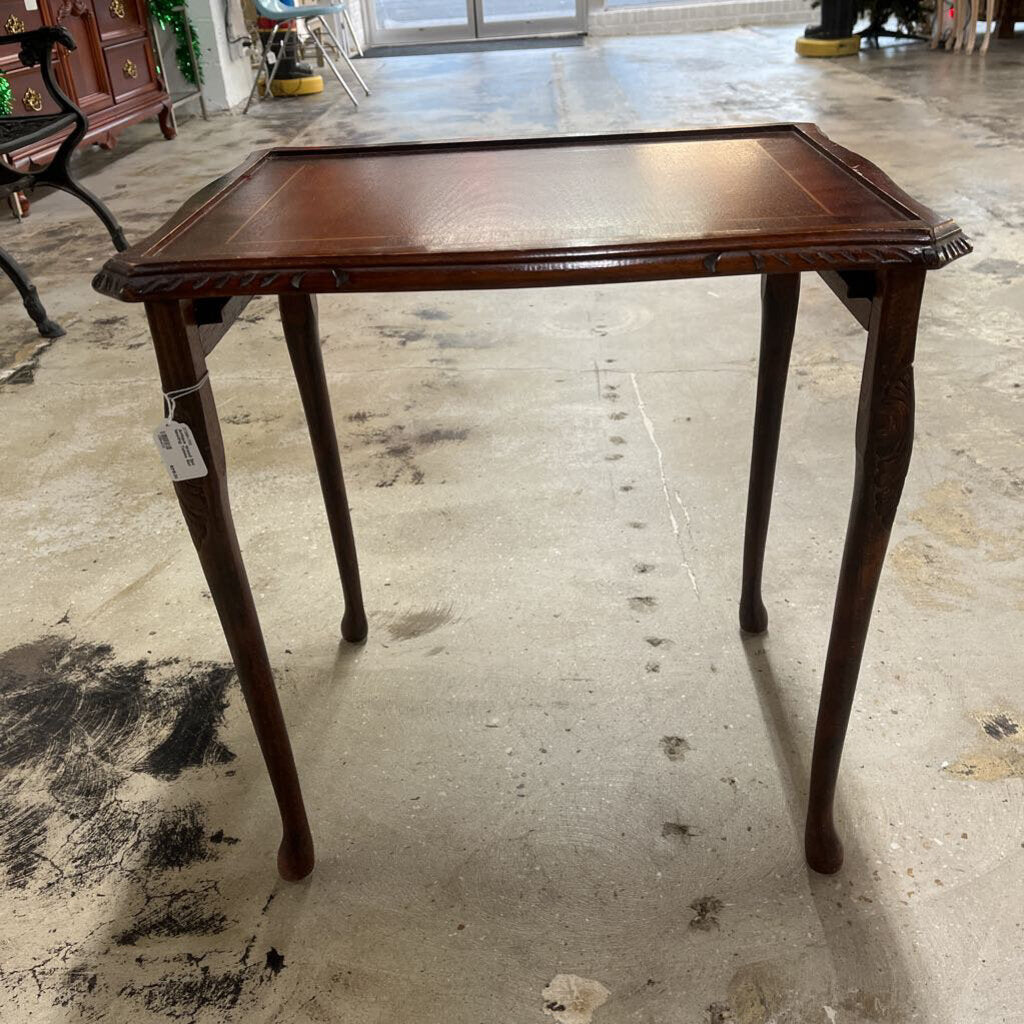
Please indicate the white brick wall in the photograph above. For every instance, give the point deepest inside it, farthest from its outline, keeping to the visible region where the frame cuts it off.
(696, 17)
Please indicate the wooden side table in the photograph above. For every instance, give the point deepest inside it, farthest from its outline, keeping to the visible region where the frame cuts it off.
(774, 200)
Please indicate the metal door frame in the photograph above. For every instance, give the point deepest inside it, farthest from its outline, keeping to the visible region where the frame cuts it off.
(475, 27)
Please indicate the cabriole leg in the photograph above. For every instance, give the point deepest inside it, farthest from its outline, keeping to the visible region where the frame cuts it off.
(301, 332)
(204, 503)
(780, 295)
(885, 434)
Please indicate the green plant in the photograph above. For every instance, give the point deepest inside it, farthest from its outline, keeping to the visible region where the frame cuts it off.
(165, 15)
(6, 99)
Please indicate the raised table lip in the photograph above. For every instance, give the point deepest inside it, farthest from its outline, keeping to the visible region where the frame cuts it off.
(919, 236)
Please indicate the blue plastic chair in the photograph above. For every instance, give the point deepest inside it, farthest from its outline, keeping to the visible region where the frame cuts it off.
(278, 12)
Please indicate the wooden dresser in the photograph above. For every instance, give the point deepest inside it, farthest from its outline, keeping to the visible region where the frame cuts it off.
(112, 75)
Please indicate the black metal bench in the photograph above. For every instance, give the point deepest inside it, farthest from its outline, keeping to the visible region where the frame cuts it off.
(36, 47)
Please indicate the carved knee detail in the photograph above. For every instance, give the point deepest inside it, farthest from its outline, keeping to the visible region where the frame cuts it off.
(891, 440)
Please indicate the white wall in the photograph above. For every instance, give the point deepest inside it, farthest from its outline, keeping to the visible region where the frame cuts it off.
(227, 73)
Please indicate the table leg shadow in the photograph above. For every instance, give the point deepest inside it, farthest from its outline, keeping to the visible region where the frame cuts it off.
(866, 954)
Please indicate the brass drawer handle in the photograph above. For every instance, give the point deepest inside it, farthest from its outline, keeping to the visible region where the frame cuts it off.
(116, 9)
(32, 100)
(14, 25)
(130, 70)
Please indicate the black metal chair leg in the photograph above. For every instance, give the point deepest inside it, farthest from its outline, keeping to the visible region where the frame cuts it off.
(13, 269)
(61, 178)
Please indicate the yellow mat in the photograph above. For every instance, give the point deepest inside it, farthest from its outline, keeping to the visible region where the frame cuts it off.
(809, 47)
(294, 86)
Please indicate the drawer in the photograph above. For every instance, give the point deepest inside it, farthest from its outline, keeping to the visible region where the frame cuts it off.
(118, 18)
(14, 18)
(86, 70)
(130, 67)
(29, 94)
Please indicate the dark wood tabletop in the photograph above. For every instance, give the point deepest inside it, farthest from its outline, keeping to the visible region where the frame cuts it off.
(567, 210)
(775, 200)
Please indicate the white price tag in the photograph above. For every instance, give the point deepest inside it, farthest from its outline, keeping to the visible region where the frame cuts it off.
(31, 5)
(179, 451)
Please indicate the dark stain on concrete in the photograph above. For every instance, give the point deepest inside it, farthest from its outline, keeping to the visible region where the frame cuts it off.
(643, 568)
(453, 340)
(999, 726)
(675, 747)
(398, 454)
(193, 741)
(75, 725)
(23, 830)
(706, 910)
(429, 313)
(403, 335)
(275, 961)
(440, 435)
(398, 448)
(184, 997)
(178, 839)
(79, 982)
(172, 915)
(239, 419)
(23, 374)
(410, 625)
(643, 603)
(677, 830)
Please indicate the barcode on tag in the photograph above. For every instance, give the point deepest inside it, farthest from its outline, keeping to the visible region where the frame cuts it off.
(178, 450)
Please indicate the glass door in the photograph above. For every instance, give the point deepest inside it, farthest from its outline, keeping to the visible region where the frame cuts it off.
(529, 17)
(394, 22)
(420, 21)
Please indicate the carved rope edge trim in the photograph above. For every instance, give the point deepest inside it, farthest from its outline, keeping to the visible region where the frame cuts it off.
(758, 261)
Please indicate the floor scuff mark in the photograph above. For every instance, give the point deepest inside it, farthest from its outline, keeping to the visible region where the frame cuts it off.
(649, 427)
(410, 625)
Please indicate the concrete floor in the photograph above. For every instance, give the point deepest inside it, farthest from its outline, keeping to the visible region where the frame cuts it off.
(555, 755)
